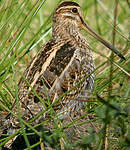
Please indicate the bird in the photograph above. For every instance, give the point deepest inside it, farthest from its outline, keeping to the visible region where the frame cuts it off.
(61, 63)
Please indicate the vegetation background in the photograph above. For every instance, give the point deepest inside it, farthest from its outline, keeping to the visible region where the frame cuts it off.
(25, 26)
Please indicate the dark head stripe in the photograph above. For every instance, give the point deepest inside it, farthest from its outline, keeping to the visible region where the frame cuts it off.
(67, 3)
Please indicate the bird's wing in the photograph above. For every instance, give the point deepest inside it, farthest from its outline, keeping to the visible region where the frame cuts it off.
(39, 77)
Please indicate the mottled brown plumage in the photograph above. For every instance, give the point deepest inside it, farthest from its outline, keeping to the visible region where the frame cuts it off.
(59, 65)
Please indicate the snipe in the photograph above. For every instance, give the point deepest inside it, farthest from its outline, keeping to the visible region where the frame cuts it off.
(59, 65)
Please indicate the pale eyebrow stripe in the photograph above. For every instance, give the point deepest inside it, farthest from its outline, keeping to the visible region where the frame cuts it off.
(69, 7)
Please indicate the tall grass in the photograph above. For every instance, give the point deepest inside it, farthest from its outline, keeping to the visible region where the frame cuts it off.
(25, 26)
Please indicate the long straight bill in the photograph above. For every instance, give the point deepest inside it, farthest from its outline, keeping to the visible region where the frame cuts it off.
(94, 34)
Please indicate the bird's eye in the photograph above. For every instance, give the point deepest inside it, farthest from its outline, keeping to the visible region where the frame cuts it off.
(74, 10)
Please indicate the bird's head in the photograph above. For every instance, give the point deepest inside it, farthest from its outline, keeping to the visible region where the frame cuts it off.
(68, 15)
